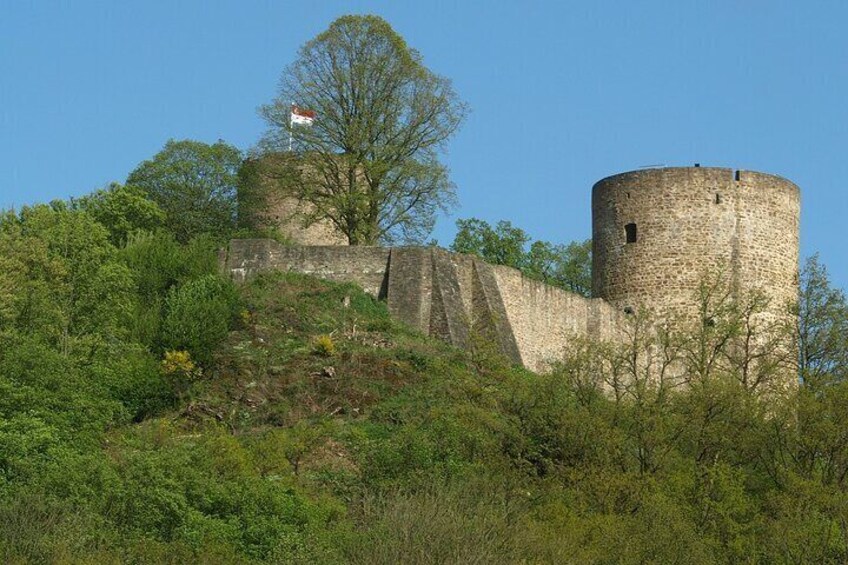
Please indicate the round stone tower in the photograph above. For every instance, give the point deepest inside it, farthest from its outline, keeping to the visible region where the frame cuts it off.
(656, 233)
(267, 200)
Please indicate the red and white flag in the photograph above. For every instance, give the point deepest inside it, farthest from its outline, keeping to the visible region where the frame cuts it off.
(302, 116)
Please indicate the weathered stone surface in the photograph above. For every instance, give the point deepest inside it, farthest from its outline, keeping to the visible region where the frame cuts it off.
(365, 266)
(448, 315)
(410, 286)
(290, 216)
(693, 222)
(544, 319)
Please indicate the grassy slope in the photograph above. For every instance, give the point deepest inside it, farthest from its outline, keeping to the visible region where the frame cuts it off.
(338, 424)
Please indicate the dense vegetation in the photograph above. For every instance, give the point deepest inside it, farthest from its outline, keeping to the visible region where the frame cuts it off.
(151, 412)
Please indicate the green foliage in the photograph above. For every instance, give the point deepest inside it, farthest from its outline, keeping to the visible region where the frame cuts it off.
(62, 256)
(566, 266)
(195, 185)
(822, 327)
(72, 368)
(502, 245)
(198, 315)
(123, 210)
(160, 263)
(446, 522)
(370, 161)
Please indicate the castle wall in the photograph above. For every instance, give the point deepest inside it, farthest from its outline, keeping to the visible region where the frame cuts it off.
(693, 222)
(457, 298)
(365, 266)
(658, 234)
(544, 318)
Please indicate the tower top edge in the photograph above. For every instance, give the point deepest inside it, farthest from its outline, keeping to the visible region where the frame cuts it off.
(732, 174)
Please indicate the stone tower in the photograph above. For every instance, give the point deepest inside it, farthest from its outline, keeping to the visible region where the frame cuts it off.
(657, 232)
(267, 199)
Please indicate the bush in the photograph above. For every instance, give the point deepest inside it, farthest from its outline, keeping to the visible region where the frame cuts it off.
(198, 316)
(324, 346)
(180, 370)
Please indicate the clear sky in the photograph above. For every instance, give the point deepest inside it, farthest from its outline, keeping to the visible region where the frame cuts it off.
(562, 94)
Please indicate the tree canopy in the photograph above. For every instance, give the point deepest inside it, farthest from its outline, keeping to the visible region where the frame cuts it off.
(370, 161)
(567, 266)
(195, 184)
(122, 210)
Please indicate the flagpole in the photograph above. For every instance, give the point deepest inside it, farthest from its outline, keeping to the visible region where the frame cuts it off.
(291, 126)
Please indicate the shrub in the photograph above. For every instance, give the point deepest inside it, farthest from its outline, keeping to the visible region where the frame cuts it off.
(131, 375)
(180, 370)
(324, 346)
(198, 316)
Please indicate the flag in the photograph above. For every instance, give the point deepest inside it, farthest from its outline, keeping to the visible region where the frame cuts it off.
(302, 116)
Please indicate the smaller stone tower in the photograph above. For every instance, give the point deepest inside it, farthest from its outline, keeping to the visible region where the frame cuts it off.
(657, 232)
(267, 200)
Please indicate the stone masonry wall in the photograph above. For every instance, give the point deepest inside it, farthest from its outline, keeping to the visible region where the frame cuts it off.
(365, 266)
(289, 215)
(454, 297)
(545, 318)
(692, 222)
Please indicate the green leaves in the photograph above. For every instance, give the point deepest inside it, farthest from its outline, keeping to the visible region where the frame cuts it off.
(195, 185)
(501, 245)
(122, 210)
(566, 266)
(369, 162)
(198, 316)
(822, 327)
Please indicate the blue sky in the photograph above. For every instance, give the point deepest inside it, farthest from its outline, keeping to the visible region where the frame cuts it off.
(562, 94)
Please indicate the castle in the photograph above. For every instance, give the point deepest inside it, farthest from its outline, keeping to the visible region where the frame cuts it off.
(656, 234)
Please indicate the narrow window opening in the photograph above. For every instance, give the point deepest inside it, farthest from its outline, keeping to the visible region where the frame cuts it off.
(630, 232)
(738, 176)
(718, 198)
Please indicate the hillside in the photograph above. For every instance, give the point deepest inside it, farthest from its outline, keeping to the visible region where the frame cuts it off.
(322, 432)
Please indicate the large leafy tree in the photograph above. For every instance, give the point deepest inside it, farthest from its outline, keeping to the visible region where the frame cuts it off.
(370, 162)
(195, 184)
